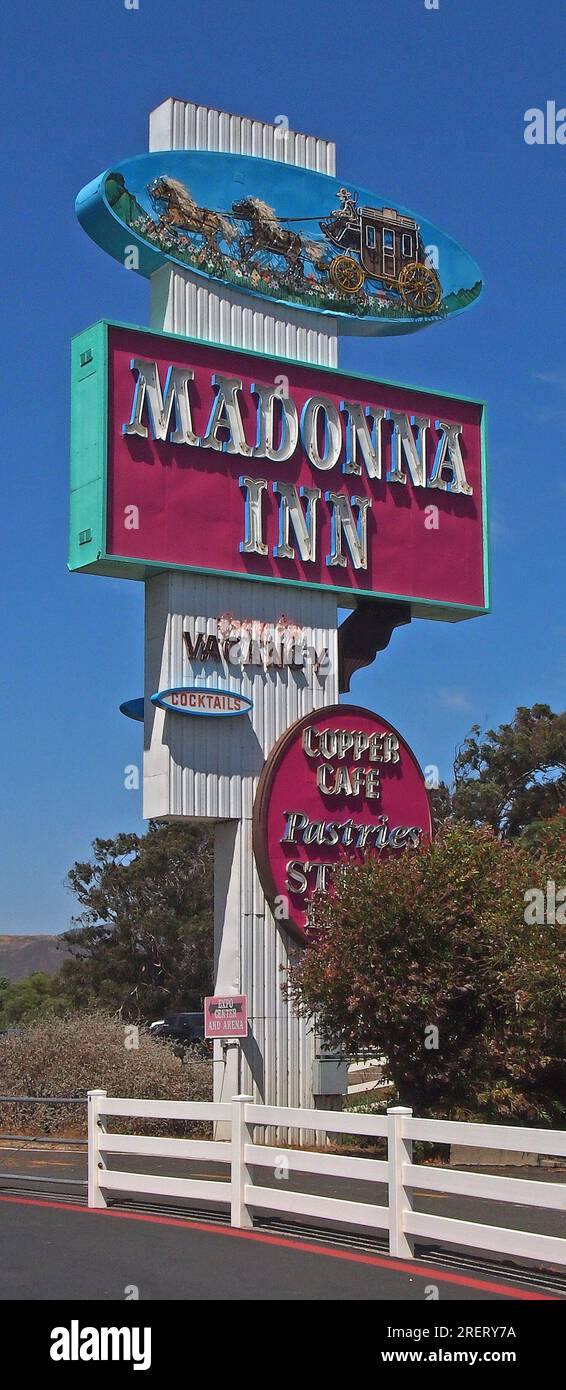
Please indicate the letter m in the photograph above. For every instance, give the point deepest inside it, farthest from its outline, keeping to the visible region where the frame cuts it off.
(148, 398)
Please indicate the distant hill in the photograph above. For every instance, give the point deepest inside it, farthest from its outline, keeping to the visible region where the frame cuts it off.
(20, 955)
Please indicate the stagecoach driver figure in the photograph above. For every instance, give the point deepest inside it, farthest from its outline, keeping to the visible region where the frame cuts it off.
(349, 209)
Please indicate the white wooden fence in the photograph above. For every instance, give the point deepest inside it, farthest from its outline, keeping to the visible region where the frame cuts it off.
(244, 1195)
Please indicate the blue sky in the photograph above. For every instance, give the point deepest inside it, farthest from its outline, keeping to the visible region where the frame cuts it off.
(425, 105)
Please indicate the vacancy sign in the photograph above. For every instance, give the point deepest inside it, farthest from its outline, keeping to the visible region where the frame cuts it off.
(226, 1016)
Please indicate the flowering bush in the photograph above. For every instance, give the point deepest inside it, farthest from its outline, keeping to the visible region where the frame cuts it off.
(432, 960)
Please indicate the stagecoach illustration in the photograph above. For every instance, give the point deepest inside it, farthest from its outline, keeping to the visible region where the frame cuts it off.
(367, 257)
(382, 245)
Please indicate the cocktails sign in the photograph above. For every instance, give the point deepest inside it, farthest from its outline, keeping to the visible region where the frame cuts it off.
(191, 456)
(284, 234)
(195, 700)
(340, 783)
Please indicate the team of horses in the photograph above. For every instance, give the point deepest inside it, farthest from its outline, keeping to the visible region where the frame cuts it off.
(180, 214)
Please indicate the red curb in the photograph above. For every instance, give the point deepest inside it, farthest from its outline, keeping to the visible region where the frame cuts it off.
(379, 1261)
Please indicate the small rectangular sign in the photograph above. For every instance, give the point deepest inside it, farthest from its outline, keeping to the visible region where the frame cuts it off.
(192, 456)
(226, 1016)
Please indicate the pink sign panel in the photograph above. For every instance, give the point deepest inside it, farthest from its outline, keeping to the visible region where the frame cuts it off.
(226, 1016)
(225, 461)
(341, 783)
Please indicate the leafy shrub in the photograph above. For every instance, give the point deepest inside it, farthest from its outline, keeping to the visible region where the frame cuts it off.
(441, 942)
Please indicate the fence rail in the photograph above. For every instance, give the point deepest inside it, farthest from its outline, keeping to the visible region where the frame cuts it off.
(43, 1100)
(398, 1172)
(48, 1138)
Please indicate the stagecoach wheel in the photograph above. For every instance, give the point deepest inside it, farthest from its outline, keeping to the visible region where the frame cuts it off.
(420, 287)
(346, 274)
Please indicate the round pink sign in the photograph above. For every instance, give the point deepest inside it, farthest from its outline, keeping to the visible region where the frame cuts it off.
(340, 783)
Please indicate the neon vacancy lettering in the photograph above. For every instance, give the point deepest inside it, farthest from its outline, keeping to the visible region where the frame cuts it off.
(202, 647)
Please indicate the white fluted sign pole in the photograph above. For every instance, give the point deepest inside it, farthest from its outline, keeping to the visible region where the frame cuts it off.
(191, 767)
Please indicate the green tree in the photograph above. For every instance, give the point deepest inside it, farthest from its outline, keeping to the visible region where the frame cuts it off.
(513, 775)
(33, 997)
(441, 805)
(143, 943)
(427, 959)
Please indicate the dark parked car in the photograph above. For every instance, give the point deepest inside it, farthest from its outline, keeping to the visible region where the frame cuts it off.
(182, 1027)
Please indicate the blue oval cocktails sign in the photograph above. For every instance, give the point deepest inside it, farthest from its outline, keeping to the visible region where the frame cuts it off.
(193, 699)
(284, 234)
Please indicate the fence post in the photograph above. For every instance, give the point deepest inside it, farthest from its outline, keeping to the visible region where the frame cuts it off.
(240, 1214)
(96, 1161)
(399, 1152)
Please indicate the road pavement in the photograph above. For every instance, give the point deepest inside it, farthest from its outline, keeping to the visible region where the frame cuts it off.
(56, 1251)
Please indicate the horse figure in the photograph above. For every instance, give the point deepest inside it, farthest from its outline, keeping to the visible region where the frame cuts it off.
(182, 213)
(267, 234)
(317, 253)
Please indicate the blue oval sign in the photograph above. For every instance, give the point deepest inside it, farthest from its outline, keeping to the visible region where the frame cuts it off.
(284, 234)
(203, 700)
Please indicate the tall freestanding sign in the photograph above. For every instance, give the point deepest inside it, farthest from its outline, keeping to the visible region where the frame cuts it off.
(221, 457)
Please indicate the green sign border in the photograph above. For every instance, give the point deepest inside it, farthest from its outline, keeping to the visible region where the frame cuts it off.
(89, 462)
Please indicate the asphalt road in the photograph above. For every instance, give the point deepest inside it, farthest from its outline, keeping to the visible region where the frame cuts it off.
(55, 1252)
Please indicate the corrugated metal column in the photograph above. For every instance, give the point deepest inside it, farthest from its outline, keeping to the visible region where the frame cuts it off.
(185, 303)
(251, 949)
